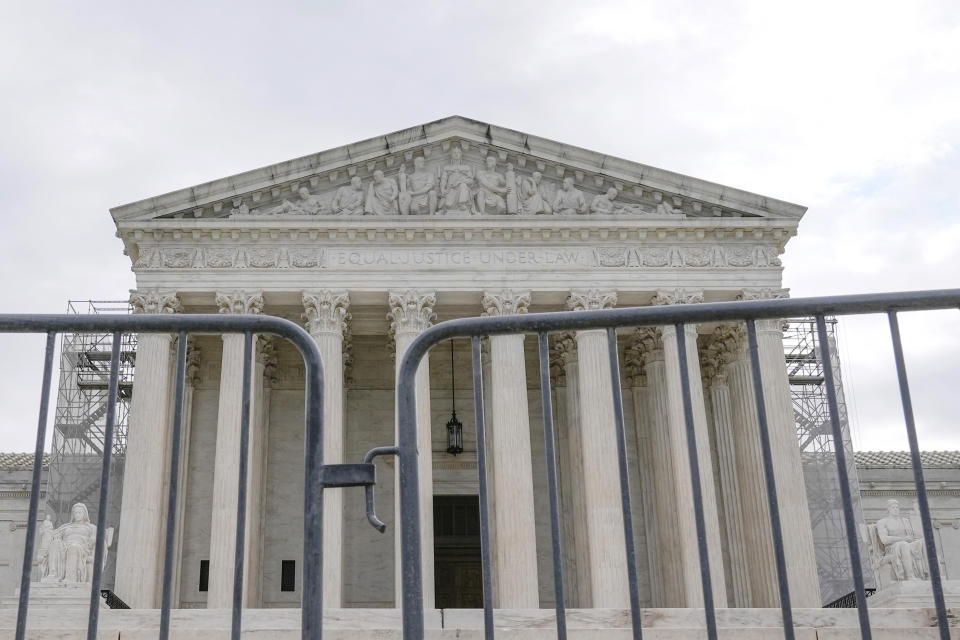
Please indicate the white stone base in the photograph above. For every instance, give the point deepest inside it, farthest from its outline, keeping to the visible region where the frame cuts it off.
(56, 595)
(914, 594)
(69, 623)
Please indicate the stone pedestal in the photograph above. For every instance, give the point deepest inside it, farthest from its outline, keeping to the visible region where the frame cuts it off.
(411, 312)
(327, 314)
(223, 525)
(515, 553)
(601, 480)
(914, 594)
(140, 546)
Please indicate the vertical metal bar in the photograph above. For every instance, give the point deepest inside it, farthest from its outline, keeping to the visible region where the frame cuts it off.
(411, 566)
(486, 565)
(172, 517)
(546, 396)
(708, 607)
(775, 526)
(35, 488)
(921, 484)
(624, 483)
(312, 599)
(844, 477)
(242, 488)
(93, 615)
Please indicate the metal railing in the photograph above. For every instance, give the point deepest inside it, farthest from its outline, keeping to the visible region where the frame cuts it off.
(678, 316)
(182, 326)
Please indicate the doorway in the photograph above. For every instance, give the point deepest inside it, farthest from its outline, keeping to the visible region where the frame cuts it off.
(456, 538)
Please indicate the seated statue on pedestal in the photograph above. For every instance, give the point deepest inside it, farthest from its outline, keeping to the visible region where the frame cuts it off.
(66, 553)
(897, 550)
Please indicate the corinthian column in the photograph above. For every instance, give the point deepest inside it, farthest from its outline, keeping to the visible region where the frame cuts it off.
(226, 465)
(601, 480)
(516, 549)
(565, 347)
(712, 364)
(143, 517)
(327, 314)
(411, 313)
(689, 592)
(785, 454)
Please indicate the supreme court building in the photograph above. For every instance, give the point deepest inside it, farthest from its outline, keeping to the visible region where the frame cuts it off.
(369, 244)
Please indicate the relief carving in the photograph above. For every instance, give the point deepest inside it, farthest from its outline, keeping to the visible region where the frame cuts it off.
(418, 191)
(382, 196)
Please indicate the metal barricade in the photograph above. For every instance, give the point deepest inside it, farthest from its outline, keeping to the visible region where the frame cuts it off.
(316, 476)
(678, 316)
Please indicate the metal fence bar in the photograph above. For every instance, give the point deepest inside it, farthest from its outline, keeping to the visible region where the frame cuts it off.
(550, 453)
(35, 488)
(631, 551)
(708, 607)
(783, 582)
(311, 621)
(238, 551)
(179, 383)
(485, 559)
(93, 615)
(841, 458)
(921, 485)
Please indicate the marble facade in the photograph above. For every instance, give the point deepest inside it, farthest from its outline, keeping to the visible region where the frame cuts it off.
(368, 245)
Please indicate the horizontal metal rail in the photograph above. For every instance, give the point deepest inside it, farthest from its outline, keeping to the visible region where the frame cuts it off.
(678, 317)
(182, 326)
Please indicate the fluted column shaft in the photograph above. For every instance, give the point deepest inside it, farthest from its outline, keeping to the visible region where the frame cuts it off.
(226, 465)
(327, 314)
(515, 553)
(733, 516)
(601, 481)
(411, 312)
(140, 547)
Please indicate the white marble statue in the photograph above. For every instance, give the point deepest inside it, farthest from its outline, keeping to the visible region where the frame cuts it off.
(456, 179)
(305, 205)
(533, 200)
(902, 545)
(382, 196)
(602, 204)
(348, 199)
(513, 201)
(492, 191)
(66, 553)
(569, 200)
(664, 208)
(418, 191)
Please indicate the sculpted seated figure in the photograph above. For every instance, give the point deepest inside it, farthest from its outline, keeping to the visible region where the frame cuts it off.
(533, 200)
(901, 545)
(382, 196)
(305, 205)
(491, 196)
(569, 199)
(349, 198)
(603, 204)
(66, 553)
(418, 191)
(456, 179)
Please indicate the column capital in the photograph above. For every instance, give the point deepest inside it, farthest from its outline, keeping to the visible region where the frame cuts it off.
(678, 295)
(635, 360)
(239, 301)
(411, 311)
(563, 352)
(505, 302)
(763, 293)
(326, 311)
(155, 301)
(267, 356)
(720, 348)
(591, 299)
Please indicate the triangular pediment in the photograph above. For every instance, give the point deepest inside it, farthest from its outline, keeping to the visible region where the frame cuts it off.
(456, 167)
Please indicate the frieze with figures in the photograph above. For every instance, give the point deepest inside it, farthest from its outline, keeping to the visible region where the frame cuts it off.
(456, 186)
(307, 257)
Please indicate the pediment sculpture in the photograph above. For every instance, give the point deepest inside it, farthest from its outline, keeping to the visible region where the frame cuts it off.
(65, 554)
(457, 186)
(896, 546)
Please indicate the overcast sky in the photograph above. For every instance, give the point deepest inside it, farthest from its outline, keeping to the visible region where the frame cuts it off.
(850, 108)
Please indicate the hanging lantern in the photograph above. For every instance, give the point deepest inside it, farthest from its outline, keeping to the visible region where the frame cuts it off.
(454, 426)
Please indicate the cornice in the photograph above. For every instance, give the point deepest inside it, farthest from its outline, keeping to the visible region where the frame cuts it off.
(279, 180)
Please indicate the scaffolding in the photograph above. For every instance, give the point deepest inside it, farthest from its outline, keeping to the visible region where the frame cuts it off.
(78, 441)
(808, 392)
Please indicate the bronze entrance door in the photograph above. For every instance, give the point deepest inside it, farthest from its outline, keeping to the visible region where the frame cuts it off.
(457, 567)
